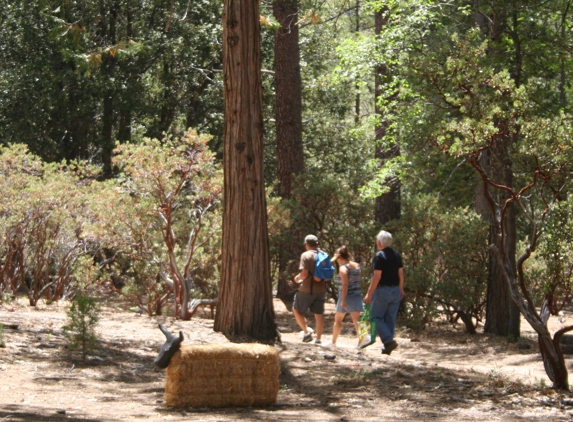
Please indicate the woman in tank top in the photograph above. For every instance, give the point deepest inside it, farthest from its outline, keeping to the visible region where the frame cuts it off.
(349, 292)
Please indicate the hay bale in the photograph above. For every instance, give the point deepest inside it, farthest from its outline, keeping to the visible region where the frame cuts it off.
(221, 375)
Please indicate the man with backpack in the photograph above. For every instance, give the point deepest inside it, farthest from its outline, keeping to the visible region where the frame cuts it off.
(312, 291)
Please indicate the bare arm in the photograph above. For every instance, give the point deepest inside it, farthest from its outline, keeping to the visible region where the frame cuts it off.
(344, 293)
(373, 284)
(301, 276)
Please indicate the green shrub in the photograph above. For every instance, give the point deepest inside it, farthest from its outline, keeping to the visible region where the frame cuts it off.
(163, 217)
(83, 316)
(445, 261)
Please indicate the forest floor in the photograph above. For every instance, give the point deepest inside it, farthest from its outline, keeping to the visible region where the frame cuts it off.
(439, 374)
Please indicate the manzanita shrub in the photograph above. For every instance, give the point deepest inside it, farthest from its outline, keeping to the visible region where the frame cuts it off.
(43, 208)
(445, 254)
(162, 216)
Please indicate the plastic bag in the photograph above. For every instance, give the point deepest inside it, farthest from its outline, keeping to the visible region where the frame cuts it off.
(366, 329)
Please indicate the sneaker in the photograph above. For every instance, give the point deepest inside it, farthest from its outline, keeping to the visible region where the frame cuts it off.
(306, 338)
(329, 344)
(318, 341)
(389, 347)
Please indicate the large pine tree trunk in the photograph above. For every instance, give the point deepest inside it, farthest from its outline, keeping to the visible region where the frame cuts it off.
(245, 291)
(288, 118)
(388, 204)
(288, 108)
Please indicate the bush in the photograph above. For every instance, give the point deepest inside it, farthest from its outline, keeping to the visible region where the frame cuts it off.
(445, 261)
(42, 209)
(83, 316)
(332, 210)
(162, 218)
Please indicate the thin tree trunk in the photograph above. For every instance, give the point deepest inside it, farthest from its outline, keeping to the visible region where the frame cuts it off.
(107, 33)
(245, 289)
(388, 204)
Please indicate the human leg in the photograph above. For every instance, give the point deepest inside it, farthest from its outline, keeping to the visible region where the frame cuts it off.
(317, 308)
(338, 317)
(355, 318)
(300, 320)
(378, 307)
(300, 305)
(392, 312)
(385, 305)
(319, 318)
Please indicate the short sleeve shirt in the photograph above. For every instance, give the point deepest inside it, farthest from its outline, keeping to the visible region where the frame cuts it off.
(307, 260)
(389, 262)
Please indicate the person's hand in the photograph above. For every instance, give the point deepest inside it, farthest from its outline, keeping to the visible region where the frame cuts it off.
(402, 294)
(367, 298)
(343, 305)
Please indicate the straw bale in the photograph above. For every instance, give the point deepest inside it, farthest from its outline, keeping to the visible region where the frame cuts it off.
(220, 375)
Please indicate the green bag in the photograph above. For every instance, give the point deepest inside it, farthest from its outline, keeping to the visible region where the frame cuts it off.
(366, 329)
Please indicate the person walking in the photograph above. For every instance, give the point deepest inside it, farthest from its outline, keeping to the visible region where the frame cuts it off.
(386, 290)
(349, 293)
(311, 293)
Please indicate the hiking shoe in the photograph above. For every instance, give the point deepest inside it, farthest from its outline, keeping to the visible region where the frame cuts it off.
(329, 345)
(389, 347)
(306, 338)
(318, 341)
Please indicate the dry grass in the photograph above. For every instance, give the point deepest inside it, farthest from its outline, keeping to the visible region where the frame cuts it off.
(222, 375)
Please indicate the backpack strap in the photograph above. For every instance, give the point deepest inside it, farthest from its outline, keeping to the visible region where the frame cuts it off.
(312, 272)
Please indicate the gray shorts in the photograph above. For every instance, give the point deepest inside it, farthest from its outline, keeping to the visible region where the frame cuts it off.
(314, 302)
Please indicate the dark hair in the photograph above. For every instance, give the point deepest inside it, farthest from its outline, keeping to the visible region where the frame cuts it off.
(343, 252)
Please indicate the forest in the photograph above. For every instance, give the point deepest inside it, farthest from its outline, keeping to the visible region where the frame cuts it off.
(448, 124)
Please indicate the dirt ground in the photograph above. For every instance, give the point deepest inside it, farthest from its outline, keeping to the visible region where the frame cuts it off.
(436, 374)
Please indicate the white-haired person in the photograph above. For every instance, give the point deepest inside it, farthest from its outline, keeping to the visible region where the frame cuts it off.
(349, 293)
(386, 290)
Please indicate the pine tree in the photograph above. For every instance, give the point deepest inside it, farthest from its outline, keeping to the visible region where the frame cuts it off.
(83, 316)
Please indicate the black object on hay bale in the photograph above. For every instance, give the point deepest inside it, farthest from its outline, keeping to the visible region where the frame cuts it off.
(172, 344)
(222, 375)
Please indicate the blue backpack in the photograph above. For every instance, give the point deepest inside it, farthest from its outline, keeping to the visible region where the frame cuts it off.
(323, 269)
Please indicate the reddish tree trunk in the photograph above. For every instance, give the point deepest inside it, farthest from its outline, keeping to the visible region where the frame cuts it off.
(288, 94)
(288, 118)
(245, 289)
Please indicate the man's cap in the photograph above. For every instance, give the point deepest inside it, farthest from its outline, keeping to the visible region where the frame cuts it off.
(311, 238)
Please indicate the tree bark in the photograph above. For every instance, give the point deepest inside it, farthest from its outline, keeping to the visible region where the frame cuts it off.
(502, 315)
(288, 94)
(388, 204)
(245, 289)
(288, 118)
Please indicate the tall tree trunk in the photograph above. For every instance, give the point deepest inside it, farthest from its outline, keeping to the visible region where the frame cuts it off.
(245, 289)
(502, 315)
(288, 118)
(288, 94)
(356, 84)
(107, 33)
(388, 204)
